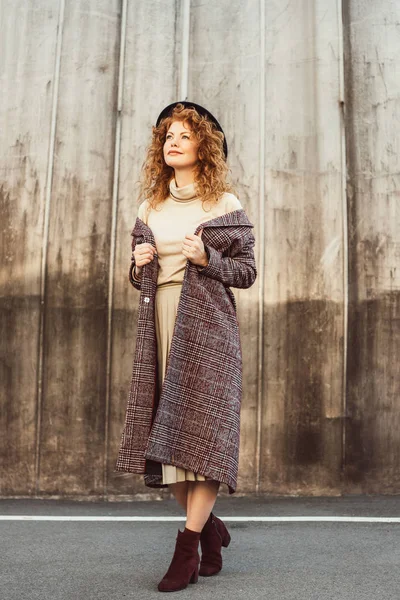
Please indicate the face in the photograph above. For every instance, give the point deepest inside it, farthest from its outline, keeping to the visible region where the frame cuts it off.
(182, 143)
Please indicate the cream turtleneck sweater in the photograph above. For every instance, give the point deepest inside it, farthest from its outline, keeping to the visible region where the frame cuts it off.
(180, 213)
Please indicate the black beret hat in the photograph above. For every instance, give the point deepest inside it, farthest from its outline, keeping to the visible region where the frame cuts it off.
(200, 109)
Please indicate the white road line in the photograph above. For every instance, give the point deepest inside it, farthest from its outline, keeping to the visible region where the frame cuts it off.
(310, 519)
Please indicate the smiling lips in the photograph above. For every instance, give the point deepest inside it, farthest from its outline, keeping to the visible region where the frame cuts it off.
(174, 152)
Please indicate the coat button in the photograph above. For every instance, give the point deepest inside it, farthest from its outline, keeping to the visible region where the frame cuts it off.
(147, 299)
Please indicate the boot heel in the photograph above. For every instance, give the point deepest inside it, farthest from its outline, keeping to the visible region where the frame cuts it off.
(195, 577)
(226, 539)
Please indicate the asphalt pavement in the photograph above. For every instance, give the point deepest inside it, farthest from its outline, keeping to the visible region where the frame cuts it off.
(283, 558)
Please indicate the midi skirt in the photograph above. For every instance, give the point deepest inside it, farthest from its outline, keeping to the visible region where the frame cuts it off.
(166, 305)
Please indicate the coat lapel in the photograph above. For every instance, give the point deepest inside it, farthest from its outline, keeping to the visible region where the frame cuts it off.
(235, 218)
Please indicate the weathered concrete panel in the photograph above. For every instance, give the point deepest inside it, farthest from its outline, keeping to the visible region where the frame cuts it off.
(151, 82)
(277, 90)
(224, 76)
(27, 51)
(303, 308)
(75, 341)
(372, 71)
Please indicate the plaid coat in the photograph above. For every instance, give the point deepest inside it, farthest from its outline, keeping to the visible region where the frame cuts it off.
(194, 421)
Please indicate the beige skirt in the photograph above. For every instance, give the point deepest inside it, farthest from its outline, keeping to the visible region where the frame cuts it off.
(167, 298)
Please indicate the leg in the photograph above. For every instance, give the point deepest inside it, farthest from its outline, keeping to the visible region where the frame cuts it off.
(201, 498)
(180, 492)
(214, 533)
(184, 567)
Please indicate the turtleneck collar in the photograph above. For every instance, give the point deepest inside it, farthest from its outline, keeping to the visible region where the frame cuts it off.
(182, 194)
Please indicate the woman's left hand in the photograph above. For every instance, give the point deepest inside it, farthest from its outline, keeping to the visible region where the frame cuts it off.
(193, 249)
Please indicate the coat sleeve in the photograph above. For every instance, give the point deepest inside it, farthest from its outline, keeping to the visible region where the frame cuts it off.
(135, 281)
(237, 270)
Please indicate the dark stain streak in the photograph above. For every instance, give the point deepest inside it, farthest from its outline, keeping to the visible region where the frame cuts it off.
(373, 387)
(303, 411)
(19, 334)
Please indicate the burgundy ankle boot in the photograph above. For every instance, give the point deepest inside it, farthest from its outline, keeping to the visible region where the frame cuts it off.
(184, 567)
(213, 536)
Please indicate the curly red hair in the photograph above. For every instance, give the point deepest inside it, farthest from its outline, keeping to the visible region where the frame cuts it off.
(210, 173)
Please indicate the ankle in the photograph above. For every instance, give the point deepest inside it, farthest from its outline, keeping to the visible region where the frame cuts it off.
(209, 520)
(191, 531)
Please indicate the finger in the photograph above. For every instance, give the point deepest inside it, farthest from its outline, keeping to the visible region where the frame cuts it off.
(144, 261)
(192, 239)
(146, 246)
(145, 255)
(192, 247)
(147, 250)
(189, 251)
(151, 248)
(189, 244)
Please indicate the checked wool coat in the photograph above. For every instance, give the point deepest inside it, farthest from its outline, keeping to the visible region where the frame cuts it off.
(194, 420)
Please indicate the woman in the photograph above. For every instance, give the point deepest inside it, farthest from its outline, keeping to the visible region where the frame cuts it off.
(192, 241)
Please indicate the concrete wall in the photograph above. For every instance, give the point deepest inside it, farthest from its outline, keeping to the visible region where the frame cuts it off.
(308, 95)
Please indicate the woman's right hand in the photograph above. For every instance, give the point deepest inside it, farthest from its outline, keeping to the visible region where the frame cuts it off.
(143, 254)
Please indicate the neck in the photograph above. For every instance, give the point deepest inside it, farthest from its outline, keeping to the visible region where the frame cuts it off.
(184, 177)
